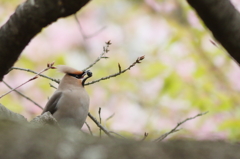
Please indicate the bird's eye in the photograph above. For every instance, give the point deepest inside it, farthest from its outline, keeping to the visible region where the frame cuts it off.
(78, 76)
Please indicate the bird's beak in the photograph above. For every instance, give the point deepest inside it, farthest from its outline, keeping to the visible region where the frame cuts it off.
(88, 73)
(83, 74)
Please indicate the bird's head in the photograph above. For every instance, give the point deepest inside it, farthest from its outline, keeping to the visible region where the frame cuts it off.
(71, 72)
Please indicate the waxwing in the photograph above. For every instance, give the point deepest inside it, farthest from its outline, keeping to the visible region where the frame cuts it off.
(69, 104)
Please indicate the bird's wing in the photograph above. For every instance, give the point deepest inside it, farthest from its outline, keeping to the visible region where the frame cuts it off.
(52, 103)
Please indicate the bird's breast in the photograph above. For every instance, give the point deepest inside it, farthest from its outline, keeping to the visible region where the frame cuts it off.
(72, 108)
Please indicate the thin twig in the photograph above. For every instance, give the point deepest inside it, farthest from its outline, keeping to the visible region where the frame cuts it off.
(100, 126)
(105, 50)
(82, 32)
(49, 66)
(92, 82)
(89, 129)
(139, 59)
(52, 86)
(100, 121)
(145, 136)
(111, 116)
(112, 132)
(31, 71)
(119, 68)
(23, 95)
(175, 129)
(18, 87)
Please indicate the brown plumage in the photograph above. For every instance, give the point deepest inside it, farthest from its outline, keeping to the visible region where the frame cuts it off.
(70, 102)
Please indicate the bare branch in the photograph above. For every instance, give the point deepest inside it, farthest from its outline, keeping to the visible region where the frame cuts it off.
(145, 136)
(100, 126)
(111, 116)
(18, 86)
(175, 129)
(52, 86)
(49, 66)
(100, 121)
(119, 68)
(112, 132)
(31, 71)
(89, 129)
(139, 59)
(24, 96)
(85, 37)
(105, 50)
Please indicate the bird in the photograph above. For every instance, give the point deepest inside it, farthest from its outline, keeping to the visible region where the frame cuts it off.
(69, 104)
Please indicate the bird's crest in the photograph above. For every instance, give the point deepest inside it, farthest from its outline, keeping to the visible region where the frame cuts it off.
(68, 70)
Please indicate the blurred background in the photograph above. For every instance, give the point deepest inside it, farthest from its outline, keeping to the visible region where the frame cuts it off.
(184, 71)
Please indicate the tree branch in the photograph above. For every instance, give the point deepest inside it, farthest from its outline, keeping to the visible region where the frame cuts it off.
(49, 66)
(105, 51)
(39, 106)
(27, 21)
(28, 70)
(89, 129)
(175, 129)
(139, 59)
(223, 20)
(145, 136)
(100, 126)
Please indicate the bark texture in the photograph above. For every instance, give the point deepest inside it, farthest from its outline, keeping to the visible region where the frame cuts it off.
(27, 21)
(42, 138)
(223, 20)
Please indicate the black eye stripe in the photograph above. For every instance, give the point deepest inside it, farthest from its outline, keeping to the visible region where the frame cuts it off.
(76, 76)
